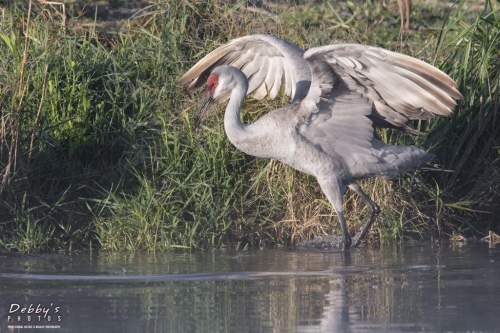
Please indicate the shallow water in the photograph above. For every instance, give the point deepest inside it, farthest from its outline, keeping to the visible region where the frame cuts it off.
(425, 287)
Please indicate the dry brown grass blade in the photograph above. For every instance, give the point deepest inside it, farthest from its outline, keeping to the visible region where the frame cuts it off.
(262, 11)
(61, 13)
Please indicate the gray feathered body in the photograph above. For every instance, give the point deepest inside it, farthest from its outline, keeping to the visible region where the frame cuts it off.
(270, 138)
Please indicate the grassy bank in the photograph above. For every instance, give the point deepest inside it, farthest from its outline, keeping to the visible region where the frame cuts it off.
(96, 146)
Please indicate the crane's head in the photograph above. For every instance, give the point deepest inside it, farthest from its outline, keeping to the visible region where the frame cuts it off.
(220, 84)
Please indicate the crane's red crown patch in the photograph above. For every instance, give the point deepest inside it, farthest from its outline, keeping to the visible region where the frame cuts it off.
(212, 82)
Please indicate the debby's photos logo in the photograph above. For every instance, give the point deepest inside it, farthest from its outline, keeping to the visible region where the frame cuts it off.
(34, 316)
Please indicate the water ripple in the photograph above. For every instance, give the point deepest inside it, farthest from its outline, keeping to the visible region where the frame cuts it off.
(220, 276)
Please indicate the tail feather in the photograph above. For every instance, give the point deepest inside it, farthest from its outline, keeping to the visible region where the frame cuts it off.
(400, 159)
(392, 161)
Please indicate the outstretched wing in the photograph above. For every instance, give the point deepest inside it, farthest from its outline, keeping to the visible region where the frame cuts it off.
(401, 88)
(333, 117)
(268, 62)
(355, 84)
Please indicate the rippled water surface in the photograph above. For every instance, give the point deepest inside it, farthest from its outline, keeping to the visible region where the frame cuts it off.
(424, 287)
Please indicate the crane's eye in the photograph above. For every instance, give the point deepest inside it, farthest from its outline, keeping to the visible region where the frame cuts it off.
(215, 84)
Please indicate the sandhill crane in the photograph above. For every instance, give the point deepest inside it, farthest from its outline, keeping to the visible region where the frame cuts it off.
(339, 92)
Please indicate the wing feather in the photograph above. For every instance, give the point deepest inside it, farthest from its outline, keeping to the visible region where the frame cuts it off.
(402, 88)
(256, 83)
(250, 54)
(278, 78)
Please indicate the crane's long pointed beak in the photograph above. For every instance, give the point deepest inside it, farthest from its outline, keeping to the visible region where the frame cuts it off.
(203, 109)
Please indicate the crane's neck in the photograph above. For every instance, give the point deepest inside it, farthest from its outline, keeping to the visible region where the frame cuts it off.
(236, 131)
(260, 138)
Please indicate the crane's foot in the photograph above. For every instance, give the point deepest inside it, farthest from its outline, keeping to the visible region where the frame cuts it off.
(347, 243)
(356, 242)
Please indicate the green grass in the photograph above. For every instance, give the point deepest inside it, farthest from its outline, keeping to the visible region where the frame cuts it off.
(97, 147)
(469, 144)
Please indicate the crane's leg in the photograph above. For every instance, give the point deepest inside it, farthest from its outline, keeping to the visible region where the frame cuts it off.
(334, 190)
(374, 211)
